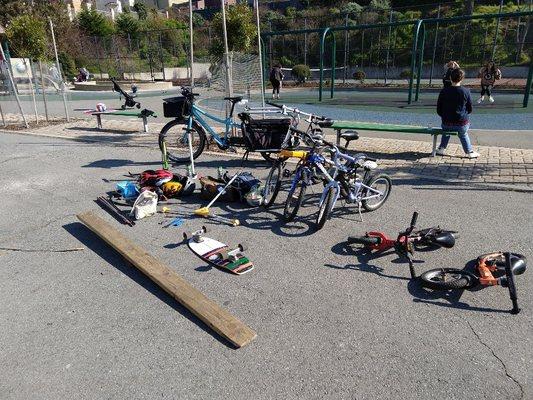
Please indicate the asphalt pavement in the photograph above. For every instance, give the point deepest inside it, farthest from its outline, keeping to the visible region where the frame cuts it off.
(332, 322)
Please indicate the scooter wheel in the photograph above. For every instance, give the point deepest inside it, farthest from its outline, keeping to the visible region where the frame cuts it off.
(204, 229)
(241, 247)
(448, 279)
(185, 235)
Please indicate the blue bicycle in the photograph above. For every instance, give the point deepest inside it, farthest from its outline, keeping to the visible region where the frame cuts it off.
(188, 132)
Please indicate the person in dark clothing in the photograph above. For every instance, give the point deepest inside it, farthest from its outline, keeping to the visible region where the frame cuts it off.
(454, 106)
(448, 68)
(276, 77)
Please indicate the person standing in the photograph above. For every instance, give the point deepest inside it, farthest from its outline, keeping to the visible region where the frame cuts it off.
(448, 68)
(276, 77)
(488, 74)
(454, 106)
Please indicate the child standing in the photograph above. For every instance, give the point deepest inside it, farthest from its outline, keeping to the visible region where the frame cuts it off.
(448, 68)
(488, 74)
(454, 107)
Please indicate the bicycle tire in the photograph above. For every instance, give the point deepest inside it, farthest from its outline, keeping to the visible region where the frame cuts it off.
(364, 240)
(447, 279)
(370, 182)
(183, 156)
(325, 208)
(272, 185)
(297, 195)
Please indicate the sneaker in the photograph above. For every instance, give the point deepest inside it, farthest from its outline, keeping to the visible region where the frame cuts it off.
(491, 99)
(440, 151)
(480, 100)
(473, 154)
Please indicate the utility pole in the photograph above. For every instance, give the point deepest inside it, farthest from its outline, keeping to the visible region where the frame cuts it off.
(191, 43)
(257, 20)
(229, 82)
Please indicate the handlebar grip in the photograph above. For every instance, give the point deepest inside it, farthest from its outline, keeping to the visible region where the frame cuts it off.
(413, 220)
(274, 105)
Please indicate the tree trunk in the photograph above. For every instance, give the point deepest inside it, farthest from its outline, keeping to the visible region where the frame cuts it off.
(469, 7)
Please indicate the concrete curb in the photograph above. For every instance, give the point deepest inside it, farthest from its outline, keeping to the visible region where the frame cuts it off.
(481, 185)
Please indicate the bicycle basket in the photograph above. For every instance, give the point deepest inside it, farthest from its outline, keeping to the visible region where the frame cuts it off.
(265, 133)
(176, 107)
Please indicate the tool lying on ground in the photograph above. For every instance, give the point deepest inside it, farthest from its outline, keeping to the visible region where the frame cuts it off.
(407, 241)
(492, 269)
(217, 253)
(214, 316)
(177, 221)
(114, 210)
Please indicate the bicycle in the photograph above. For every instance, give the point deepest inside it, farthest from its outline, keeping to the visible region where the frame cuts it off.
(292, 140)
(407, 241)
(492, 269)
(369, 191)
(187, 133)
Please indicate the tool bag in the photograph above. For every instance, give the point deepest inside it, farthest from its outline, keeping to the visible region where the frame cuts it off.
(264, 133)
(212, 186)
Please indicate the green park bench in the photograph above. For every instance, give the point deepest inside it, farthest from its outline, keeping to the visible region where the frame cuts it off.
(341, 126)
(144, 114)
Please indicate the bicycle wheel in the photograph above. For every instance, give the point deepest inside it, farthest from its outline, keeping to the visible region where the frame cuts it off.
(294, 200)
(325, 208)
(268, 156)
(381, 183)
(272, 185)
(447, 279)
(177, 141)
(364, 240)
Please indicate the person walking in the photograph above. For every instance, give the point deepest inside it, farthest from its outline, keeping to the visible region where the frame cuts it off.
(454, 107)
(276, 77)
(448, 68)
(488, 74)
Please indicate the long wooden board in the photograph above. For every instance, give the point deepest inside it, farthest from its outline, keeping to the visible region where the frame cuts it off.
(220, 320)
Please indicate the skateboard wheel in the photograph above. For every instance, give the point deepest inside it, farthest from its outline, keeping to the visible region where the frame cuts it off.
(241, 247)
(235, 222)
(204, 229)
(184, 235)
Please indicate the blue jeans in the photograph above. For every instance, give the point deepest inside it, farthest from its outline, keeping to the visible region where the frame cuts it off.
(462, 131)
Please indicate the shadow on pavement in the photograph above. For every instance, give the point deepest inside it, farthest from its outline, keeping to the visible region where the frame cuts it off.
(117, 163)
(94, 243)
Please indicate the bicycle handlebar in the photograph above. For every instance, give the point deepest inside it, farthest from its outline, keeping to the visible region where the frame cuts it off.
(413, 220)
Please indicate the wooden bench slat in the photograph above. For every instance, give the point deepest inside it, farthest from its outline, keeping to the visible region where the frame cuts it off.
(219, 319)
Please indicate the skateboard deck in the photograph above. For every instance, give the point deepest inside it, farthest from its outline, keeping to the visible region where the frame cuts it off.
(216, 253)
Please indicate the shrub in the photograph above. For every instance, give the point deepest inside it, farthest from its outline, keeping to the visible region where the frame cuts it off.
(301, 72)
(406, 73)
(285, 61)
(359, 76)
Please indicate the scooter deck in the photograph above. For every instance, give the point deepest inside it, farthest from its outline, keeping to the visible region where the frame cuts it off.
(215, 253)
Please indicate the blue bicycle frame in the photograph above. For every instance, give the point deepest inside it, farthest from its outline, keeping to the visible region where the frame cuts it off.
(229, 124)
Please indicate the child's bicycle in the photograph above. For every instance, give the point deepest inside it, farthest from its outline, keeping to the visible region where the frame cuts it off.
(292, 141)
(492, 269)
(407, 241)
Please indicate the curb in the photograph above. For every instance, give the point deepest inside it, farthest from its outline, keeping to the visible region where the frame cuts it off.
(481, 185)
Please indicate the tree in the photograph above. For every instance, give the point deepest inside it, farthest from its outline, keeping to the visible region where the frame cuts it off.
(197, 20)
(351, 8)
(10, 9)
(27, 37)
(128, 25)
(141, 9)
(241, 30)
(95, 24)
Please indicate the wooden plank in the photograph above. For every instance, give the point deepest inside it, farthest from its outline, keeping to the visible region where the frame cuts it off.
(220, 320)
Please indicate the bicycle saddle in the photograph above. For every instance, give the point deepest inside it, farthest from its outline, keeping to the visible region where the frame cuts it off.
(234, 99)
(443, 239)
(326, 123)
(349, 136)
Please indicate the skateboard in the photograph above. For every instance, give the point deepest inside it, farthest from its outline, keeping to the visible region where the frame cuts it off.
(217, 253)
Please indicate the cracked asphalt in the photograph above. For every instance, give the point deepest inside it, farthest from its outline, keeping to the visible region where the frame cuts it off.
(332, 322)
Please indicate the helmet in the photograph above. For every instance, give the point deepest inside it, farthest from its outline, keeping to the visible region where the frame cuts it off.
(171, 189)
(101, 107)
(188, 186)
(255, 196)
(154, 178)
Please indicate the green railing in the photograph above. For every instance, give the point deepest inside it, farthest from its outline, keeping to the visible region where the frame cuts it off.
(417, 52)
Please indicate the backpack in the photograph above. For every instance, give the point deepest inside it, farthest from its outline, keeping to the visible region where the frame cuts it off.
(243, 184)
